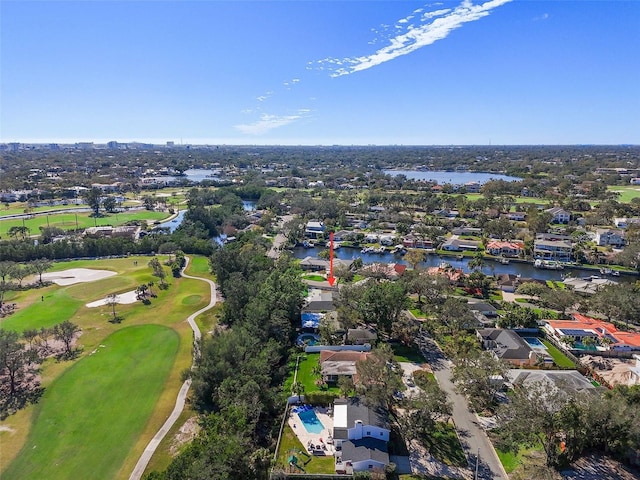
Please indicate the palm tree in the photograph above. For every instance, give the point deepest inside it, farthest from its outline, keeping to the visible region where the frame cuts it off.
(297, 389)
(477, 262)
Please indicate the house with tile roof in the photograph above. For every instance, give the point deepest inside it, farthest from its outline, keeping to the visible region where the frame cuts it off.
(606, 334)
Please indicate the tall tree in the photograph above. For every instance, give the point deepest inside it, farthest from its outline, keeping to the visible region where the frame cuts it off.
(66, 332)
(158, 270)
(40, 266)
(378, 380)
(93, 198)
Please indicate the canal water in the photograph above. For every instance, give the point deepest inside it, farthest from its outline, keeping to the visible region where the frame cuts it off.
(454, 178)
(525, 270)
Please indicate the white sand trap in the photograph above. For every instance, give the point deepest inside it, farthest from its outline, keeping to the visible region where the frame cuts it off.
(77, 275)
(124, 298)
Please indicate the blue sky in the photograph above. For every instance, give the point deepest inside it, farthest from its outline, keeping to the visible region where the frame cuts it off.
(321, 72)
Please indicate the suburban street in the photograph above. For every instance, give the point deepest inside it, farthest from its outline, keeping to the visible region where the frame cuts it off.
(472, 437)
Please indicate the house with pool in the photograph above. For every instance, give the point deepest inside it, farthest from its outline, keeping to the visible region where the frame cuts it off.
(360, 436)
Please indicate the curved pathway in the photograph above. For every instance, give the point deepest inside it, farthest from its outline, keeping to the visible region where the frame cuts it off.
(182, 395)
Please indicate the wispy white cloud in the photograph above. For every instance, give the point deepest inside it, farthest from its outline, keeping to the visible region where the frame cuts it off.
(269, 122)
(544, 16)
(431, 27)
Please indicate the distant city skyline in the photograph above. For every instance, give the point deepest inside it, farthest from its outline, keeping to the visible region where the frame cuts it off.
(500, 72)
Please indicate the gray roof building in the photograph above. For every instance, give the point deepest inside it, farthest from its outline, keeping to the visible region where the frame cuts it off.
(365, 449)
(507, 345)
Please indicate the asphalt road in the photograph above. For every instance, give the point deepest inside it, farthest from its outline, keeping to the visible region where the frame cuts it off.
(473, 438)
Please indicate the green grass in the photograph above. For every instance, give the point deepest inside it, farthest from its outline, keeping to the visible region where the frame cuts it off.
(170, 309)
(403, 353)
(315, 278)
(626, 192)
(306, 376)
(90, 418)
(199, 267)
(444, 445)
(559, 358)
(67, 221)
(290, 445)
(418, 313)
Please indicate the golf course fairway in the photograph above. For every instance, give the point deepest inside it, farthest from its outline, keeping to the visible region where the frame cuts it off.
(89, 419)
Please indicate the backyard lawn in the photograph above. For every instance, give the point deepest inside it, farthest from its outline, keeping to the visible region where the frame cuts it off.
(559, 358)
(85, 429)
(290, 445)
(306, 376)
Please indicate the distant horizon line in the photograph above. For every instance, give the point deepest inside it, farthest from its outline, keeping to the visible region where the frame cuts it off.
(165, 143)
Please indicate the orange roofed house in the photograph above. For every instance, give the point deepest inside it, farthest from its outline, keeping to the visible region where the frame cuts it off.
(607, 336)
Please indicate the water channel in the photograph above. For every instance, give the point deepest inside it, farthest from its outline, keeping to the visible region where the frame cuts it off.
(491, 267)
(454, 178)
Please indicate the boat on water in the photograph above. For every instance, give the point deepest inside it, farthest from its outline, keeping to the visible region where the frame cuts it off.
(504, 261)
(366, 250)
(399, 249)
(548, 264)
(459, 257)
(615, 273)
(379, 250)
(606, 271)
(308, 244)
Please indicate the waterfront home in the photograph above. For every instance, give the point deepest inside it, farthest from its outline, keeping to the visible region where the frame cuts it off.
(558, 250)
(608, 237)
(506, 249)
(559, 215)
(314, 230)
(508, 282)
(360, 435)
(508, 346)
(458, 245)
(387, 270)
(413, 241)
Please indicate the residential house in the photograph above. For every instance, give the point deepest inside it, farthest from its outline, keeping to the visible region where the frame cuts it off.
(341, 363)
(570, 332)
(455, 275)
(314, 230)
(360, 336)
(317, 264)
(470, 231)
(387, 270)
(505, 249)
(472, 187)
(484, 308)
(360, 435)
(517, 216)
(558, 250)
(625, 222)
(559, 215)
(413, 241)
(608, 237)
(507, 345)
(563, 380)
(318, 301)
(458, 245)
(508, 282)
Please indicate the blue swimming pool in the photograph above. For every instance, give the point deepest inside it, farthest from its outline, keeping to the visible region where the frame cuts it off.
(311, 422)
(534, 342)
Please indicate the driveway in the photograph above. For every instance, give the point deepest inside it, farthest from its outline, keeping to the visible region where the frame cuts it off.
(474, 440)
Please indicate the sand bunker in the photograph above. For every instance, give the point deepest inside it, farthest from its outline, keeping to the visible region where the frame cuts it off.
(77, 275)
(124, 298)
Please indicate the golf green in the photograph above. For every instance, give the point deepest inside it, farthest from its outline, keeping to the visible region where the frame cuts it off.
(90, 418)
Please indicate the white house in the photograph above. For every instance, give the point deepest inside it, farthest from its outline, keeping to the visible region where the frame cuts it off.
(607, 237)
(559, 215)
(360, 435)
(314, 230)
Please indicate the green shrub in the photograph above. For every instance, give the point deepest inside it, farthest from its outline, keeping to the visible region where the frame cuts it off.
(320, 398)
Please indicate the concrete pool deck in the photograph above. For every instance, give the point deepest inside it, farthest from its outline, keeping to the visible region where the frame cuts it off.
(305, 437)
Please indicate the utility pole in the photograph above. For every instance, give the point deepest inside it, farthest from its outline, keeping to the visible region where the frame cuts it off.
(475, 476)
